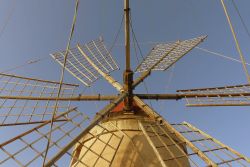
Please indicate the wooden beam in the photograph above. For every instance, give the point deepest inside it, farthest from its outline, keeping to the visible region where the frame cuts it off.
(39, 80)
(74, 98)
(186, 95)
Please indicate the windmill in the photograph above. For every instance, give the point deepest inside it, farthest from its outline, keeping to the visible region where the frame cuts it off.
(127, 132)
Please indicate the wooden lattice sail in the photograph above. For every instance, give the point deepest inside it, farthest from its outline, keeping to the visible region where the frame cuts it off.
(86, 61)
(236, 95)
(19, 102)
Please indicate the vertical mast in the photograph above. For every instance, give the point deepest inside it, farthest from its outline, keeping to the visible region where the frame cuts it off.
(127, 34)
(128, 73)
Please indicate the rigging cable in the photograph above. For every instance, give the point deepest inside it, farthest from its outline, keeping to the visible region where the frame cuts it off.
(10, 13)
(199, 48)
(135, 42)
(61, 79)
(241, 18)
(29, 62)
(219, 54)
(116, 35)
(134, 36)
(236, 41)
(169, 81)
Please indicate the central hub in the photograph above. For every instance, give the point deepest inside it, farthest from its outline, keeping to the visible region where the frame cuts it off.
(128, 87)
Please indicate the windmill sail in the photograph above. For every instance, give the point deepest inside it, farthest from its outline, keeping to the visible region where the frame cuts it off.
(172, 150)
(237, 95)
(164, 55)
(199, 148)
(26, 111)
(79, 61)
(31, 152)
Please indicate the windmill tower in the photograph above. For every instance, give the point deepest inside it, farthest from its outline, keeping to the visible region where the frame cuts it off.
(127, 132)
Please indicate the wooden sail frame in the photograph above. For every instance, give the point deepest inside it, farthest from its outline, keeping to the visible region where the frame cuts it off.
(85, 62)
(20, 110)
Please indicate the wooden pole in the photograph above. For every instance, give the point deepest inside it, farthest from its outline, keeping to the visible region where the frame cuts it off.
(128, 73)
(73, 98)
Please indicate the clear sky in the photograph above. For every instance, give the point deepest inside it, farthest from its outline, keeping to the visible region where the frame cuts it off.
(33, 29)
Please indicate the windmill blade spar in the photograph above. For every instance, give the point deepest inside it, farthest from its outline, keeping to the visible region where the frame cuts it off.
(237, 95)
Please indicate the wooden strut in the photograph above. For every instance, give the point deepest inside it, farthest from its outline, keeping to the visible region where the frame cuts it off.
(180, 96)
(243, 61)
(39, 80)
(214, 88)
(34, 122)
(217, 105)
(73, 98)
(141, 96)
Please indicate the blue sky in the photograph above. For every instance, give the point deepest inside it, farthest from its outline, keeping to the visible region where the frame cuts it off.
(37, 28)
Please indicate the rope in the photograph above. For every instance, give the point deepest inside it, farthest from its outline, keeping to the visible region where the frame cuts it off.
(199, 48)
(134, 36)
(116, 35)
(169, 81)
(10, 12)
(61, 80)
(241, 18)
(243, 61)
(135, 43)
(94, 93)
(219, 54)
(29, 62)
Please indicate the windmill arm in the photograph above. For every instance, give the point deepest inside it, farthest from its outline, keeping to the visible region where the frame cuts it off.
(73, 98)
(187, 95)
(98, 117)
(204, 100)
(31, 123)
(236, 95)
(4, 75)
(159, 96)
